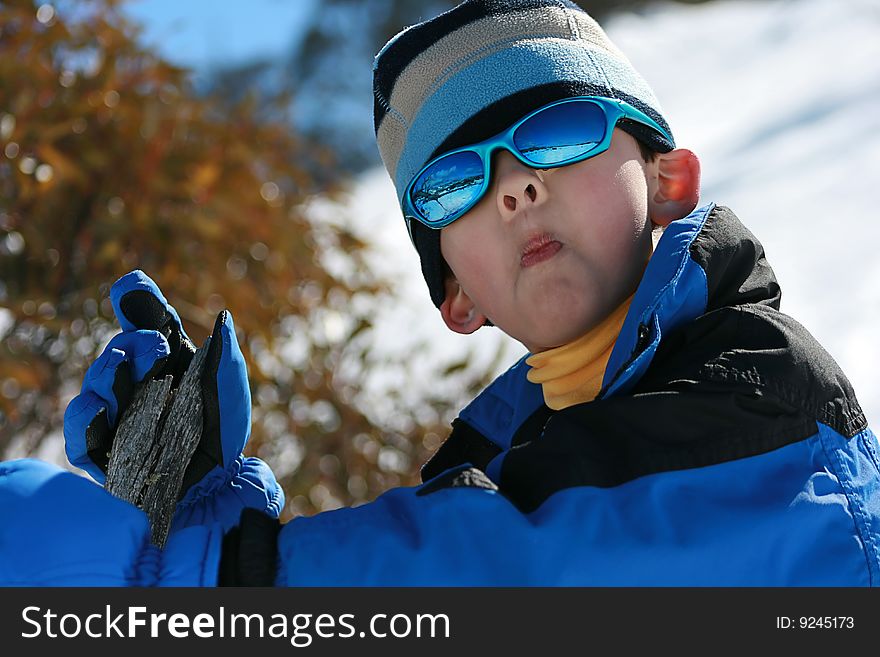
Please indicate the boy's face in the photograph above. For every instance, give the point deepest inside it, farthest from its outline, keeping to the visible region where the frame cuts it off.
(548, 254)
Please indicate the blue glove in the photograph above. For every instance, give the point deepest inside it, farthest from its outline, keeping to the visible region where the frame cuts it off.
(219, 481)
(60, 529)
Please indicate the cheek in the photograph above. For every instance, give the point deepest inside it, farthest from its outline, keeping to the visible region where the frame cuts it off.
(626, 208)
(632, 190)
(466, 253)
(616, 212)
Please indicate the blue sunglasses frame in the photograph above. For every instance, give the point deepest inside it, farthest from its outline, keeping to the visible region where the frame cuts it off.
(613, 110)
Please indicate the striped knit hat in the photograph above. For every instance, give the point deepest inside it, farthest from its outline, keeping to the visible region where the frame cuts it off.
(474, 70)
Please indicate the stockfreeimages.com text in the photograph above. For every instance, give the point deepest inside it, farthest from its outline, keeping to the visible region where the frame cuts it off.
(300, 629)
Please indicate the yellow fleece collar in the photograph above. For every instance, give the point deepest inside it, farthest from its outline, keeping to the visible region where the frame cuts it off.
(572, 374)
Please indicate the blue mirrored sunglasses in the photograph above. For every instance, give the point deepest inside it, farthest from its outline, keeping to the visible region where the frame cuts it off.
(558, 134)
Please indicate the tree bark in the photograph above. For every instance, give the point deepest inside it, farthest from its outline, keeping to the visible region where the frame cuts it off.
(154, 443)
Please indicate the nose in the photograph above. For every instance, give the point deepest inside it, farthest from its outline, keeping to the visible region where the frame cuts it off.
(517, 186)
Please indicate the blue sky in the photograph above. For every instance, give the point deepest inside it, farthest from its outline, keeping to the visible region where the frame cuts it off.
(200, 33)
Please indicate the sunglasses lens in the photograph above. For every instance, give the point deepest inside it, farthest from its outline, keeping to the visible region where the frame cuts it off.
(561, 132)
(448, 186)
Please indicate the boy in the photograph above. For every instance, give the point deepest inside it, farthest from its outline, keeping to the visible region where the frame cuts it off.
(669, 427)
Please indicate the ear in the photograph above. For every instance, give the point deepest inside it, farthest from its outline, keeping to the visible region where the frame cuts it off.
(457, 309)
(676, 189)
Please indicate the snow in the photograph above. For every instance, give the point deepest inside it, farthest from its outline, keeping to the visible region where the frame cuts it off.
(781, 102)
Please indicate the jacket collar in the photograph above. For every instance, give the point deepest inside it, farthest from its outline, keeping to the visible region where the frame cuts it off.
(672, 292)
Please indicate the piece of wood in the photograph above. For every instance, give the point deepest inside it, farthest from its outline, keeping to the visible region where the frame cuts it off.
(154, 443)
(132, 454)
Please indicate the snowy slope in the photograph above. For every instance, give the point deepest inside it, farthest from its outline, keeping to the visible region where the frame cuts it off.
(781, 101)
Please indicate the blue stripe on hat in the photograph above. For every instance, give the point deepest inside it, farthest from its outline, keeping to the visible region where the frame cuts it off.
(518, 66)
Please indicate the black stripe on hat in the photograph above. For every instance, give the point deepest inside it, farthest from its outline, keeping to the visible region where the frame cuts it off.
(427, 243)
(412, 42)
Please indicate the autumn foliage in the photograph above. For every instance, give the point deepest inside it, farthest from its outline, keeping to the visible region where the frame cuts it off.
(111, 161)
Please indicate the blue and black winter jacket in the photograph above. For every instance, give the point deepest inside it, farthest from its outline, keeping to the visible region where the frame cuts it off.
(725, 448)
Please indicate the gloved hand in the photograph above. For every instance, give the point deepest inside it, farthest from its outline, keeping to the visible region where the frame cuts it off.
(60, 529)
(219, 481)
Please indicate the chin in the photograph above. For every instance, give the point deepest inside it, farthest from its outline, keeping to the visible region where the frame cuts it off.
(563, 331)
(566, 320)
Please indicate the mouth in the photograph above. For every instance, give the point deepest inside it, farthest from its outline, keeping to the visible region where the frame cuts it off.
(538, 249)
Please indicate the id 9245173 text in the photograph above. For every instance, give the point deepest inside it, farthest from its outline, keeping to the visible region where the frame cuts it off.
(815, 622)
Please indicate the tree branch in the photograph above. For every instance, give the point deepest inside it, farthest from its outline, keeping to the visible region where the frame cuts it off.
(154, 443)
